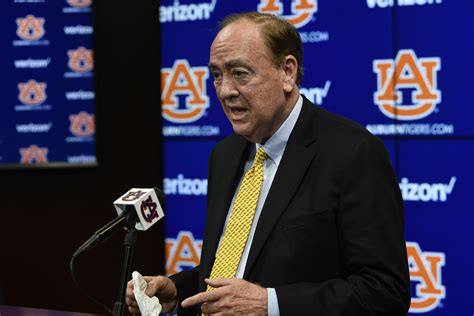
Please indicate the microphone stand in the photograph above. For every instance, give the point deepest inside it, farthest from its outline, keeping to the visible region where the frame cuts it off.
(129, 242)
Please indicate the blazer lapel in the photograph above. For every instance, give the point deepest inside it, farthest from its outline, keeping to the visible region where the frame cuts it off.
(299, 152)
(229, 167)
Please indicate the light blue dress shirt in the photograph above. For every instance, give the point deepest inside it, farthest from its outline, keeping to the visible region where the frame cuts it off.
(274, 147)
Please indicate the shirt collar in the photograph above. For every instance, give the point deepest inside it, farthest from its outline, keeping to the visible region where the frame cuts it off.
(275, 145)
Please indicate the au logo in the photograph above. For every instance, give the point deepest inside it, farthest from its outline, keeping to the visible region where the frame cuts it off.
(407, 71)
(82, 124)
(32, 92)
(148, 208)
(80, 59)
(33, 155)
(302, 11)
(30, 28)
(184, 251)
(425, 269)
(132, 196)
(189, 82)
(79, 3)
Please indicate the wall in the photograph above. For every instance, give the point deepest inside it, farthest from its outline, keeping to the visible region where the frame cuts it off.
(48, 213)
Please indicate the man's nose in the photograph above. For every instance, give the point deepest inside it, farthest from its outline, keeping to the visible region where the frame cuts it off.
(228, 88)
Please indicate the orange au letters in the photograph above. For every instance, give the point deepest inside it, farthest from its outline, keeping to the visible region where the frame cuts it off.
(182, 251)
(33, 155)
(80, 59)
(32, 92)
(301, 10)
(407, 71)
(425, 270)
(184, 80)
(82, 124)
(30, 28)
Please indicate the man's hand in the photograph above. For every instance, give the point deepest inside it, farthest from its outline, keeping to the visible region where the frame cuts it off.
(231, 296)
(158, 286)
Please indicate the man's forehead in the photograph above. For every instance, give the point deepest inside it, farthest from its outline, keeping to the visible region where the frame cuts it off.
(239, 42)
(242, 29)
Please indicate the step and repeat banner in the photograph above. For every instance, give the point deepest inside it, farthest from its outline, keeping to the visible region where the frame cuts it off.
(401, 68)
(47, 115)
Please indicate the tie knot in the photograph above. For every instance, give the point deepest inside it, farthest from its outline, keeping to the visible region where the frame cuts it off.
(260, 156)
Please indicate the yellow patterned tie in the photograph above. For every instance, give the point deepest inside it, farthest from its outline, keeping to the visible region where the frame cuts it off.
(238, 227)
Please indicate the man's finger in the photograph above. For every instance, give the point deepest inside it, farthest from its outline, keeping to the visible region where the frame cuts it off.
(194, 300)
(200, 298)
(148, 278)
(209, 308)
(219, 282)
(154, 285)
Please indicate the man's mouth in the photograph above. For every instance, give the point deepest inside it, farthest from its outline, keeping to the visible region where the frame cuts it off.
(237, 110)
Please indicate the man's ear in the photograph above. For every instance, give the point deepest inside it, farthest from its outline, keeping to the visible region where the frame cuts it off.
(290, 68)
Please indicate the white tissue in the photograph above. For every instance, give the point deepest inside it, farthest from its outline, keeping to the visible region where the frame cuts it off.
(149, 306)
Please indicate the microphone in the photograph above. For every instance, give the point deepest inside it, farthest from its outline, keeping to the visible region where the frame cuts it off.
(141, 208)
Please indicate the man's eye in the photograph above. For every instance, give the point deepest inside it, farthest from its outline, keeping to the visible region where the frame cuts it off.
(239, 73)
(216, 75)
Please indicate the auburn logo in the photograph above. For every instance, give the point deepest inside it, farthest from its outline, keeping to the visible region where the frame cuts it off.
(302, 11)
(33, 155)
(189, 82)
(32, 92)
(182, 252)
(80, 59)
(407, 71)
(82, 124)
(148, 208)
(425, 270)
(134, 195)
(30, 28)
(79, 3)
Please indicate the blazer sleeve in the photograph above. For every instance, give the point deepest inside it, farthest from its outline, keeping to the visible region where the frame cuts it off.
(186, 283)
(370, 223)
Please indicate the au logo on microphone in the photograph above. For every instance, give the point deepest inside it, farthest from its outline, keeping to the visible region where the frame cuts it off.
(148, 208)
(145, 203)
(133, 196)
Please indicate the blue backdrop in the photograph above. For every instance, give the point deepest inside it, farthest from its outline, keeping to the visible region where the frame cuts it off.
(401, 68)
(47, 115)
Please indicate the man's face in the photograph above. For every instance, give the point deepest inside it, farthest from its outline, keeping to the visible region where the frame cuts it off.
(253, 91)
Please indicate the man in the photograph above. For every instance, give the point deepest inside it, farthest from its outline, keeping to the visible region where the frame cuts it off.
(325, 235)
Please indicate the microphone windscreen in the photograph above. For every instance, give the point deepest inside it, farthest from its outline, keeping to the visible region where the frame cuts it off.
(146, 203)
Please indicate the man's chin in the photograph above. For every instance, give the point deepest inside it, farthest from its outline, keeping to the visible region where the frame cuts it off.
(241, 130)
(247, 134)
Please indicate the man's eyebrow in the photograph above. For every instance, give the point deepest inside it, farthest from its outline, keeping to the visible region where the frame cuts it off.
(237, 63)
(230, 64)
(212, 67)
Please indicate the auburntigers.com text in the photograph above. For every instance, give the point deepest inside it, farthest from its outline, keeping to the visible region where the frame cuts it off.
(411, 129)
